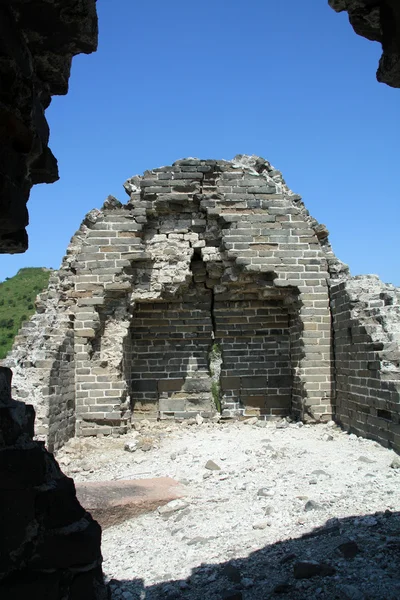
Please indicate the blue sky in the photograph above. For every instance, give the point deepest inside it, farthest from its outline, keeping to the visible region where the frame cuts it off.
(283, 79)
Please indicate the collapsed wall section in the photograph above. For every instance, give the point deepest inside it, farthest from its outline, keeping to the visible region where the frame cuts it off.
(43, 363)
(366, 323)
(227, 263)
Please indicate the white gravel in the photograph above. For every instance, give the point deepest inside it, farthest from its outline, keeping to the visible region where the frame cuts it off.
(276, 483)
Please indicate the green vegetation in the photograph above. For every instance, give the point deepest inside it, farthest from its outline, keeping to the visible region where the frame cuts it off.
(17, 302)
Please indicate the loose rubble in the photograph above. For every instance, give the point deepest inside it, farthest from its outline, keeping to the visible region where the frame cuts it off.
(289, 514)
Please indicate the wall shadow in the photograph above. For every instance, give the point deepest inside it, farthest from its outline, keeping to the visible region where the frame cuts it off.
(353, 558)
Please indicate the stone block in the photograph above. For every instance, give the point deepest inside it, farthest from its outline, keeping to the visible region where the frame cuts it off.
(253, 401)
(253, 382)
(144, 385)
(230, 383)
(171, 405)
(112, 502)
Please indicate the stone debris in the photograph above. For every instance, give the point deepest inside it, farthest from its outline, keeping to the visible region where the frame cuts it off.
(131, 446)
(395, 464)
(349, 549)
(307, 569)
(220, 522)
(312, 505)
(212, 466)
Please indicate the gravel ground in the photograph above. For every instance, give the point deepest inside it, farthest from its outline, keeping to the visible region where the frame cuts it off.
(284, 510)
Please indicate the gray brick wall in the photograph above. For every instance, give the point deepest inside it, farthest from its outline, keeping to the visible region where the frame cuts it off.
(366, 318)
(228, 231)
(256, 376)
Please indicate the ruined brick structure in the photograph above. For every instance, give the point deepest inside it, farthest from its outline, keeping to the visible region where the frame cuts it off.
(211, 285)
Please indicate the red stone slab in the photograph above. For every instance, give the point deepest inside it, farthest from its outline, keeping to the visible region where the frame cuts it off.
(112, 502)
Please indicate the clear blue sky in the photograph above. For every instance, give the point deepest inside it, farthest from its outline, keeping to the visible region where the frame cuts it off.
(283, 79)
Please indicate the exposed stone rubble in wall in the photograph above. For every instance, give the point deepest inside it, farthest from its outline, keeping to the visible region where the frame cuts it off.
(49, 545)
(379, 21)
(366, 321)
(43, 353)
(204, 252)
(38, 41)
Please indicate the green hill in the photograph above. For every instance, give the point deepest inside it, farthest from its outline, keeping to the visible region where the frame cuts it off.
(17, 302)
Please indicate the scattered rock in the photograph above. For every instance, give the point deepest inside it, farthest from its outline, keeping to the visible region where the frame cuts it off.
(172, 507)
(282, 587)
(365, 459)
(287, 558)
(251, 421)
(312, 505)
(131, 446)
(321, 474)
(261, 524)
(349, 549)
(181, 514)
(266, 492)
(232, 596)
(232, 573)
(367, 521)
(395, 464)
(308, 569)
(327, 437)
(350, 592)
(227, 522)
(146, 447)
(212, 466)
(199, 540)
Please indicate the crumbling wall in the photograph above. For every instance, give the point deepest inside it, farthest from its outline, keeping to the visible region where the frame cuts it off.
(43, 355)
(37, 42)
(218, 254)
(379, 21)
(366, 322)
